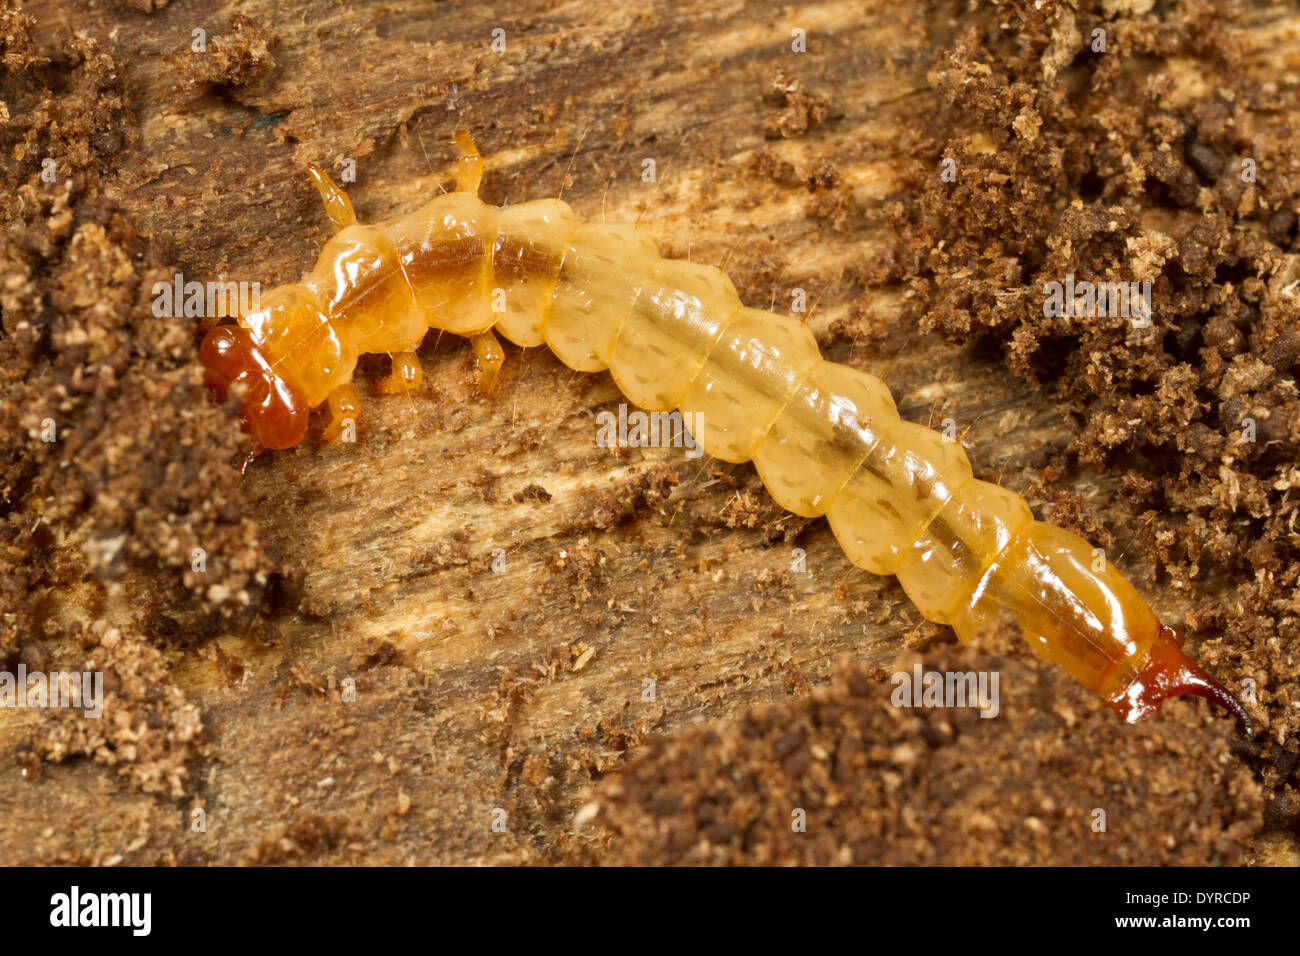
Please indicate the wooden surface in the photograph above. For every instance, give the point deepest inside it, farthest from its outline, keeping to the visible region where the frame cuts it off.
(477, 688)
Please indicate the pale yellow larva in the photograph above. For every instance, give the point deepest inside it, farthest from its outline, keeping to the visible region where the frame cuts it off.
(826, 438)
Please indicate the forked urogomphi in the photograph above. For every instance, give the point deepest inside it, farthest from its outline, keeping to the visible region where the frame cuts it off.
(826, 438)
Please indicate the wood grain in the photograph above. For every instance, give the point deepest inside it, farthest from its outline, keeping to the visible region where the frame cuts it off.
(479, 689)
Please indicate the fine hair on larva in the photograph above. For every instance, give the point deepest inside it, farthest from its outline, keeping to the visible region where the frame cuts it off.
(825, 438)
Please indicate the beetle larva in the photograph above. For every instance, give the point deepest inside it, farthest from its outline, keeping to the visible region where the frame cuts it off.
(826, 438)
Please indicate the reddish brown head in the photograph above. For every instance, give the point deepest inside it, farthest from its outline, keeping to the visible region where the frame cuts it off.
(1167, 673)
(274, 413)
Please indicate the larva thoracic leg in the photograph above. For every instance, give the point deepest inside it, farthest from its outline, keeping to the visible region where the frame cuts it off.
(337, 204)
(826, 439)
(406, 374)
(344, 406)
(490, 358)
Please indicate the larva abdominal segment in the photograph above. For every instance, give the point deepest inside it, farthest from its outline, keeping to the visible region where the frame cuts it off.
(826, 439)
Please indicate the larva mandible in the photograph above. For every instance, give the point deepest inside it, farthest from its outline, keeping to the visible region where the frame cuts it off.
(826, 438)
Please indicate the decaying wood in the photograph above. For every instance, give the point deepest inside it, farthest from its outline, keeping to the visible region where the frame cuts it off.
(511, 684)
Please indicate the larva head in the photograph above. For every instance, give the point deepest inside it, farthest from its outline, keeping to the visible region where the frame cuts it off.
(274, 413)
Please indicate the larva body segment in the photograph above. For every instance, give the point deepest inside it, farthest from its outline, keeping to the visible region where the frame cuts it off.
(751, 373)
(833, 420)
(446, 255)
(826, 439)
(365, 294)
(526, 260)
(905, 479)
(675, 320)
(602, 274)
